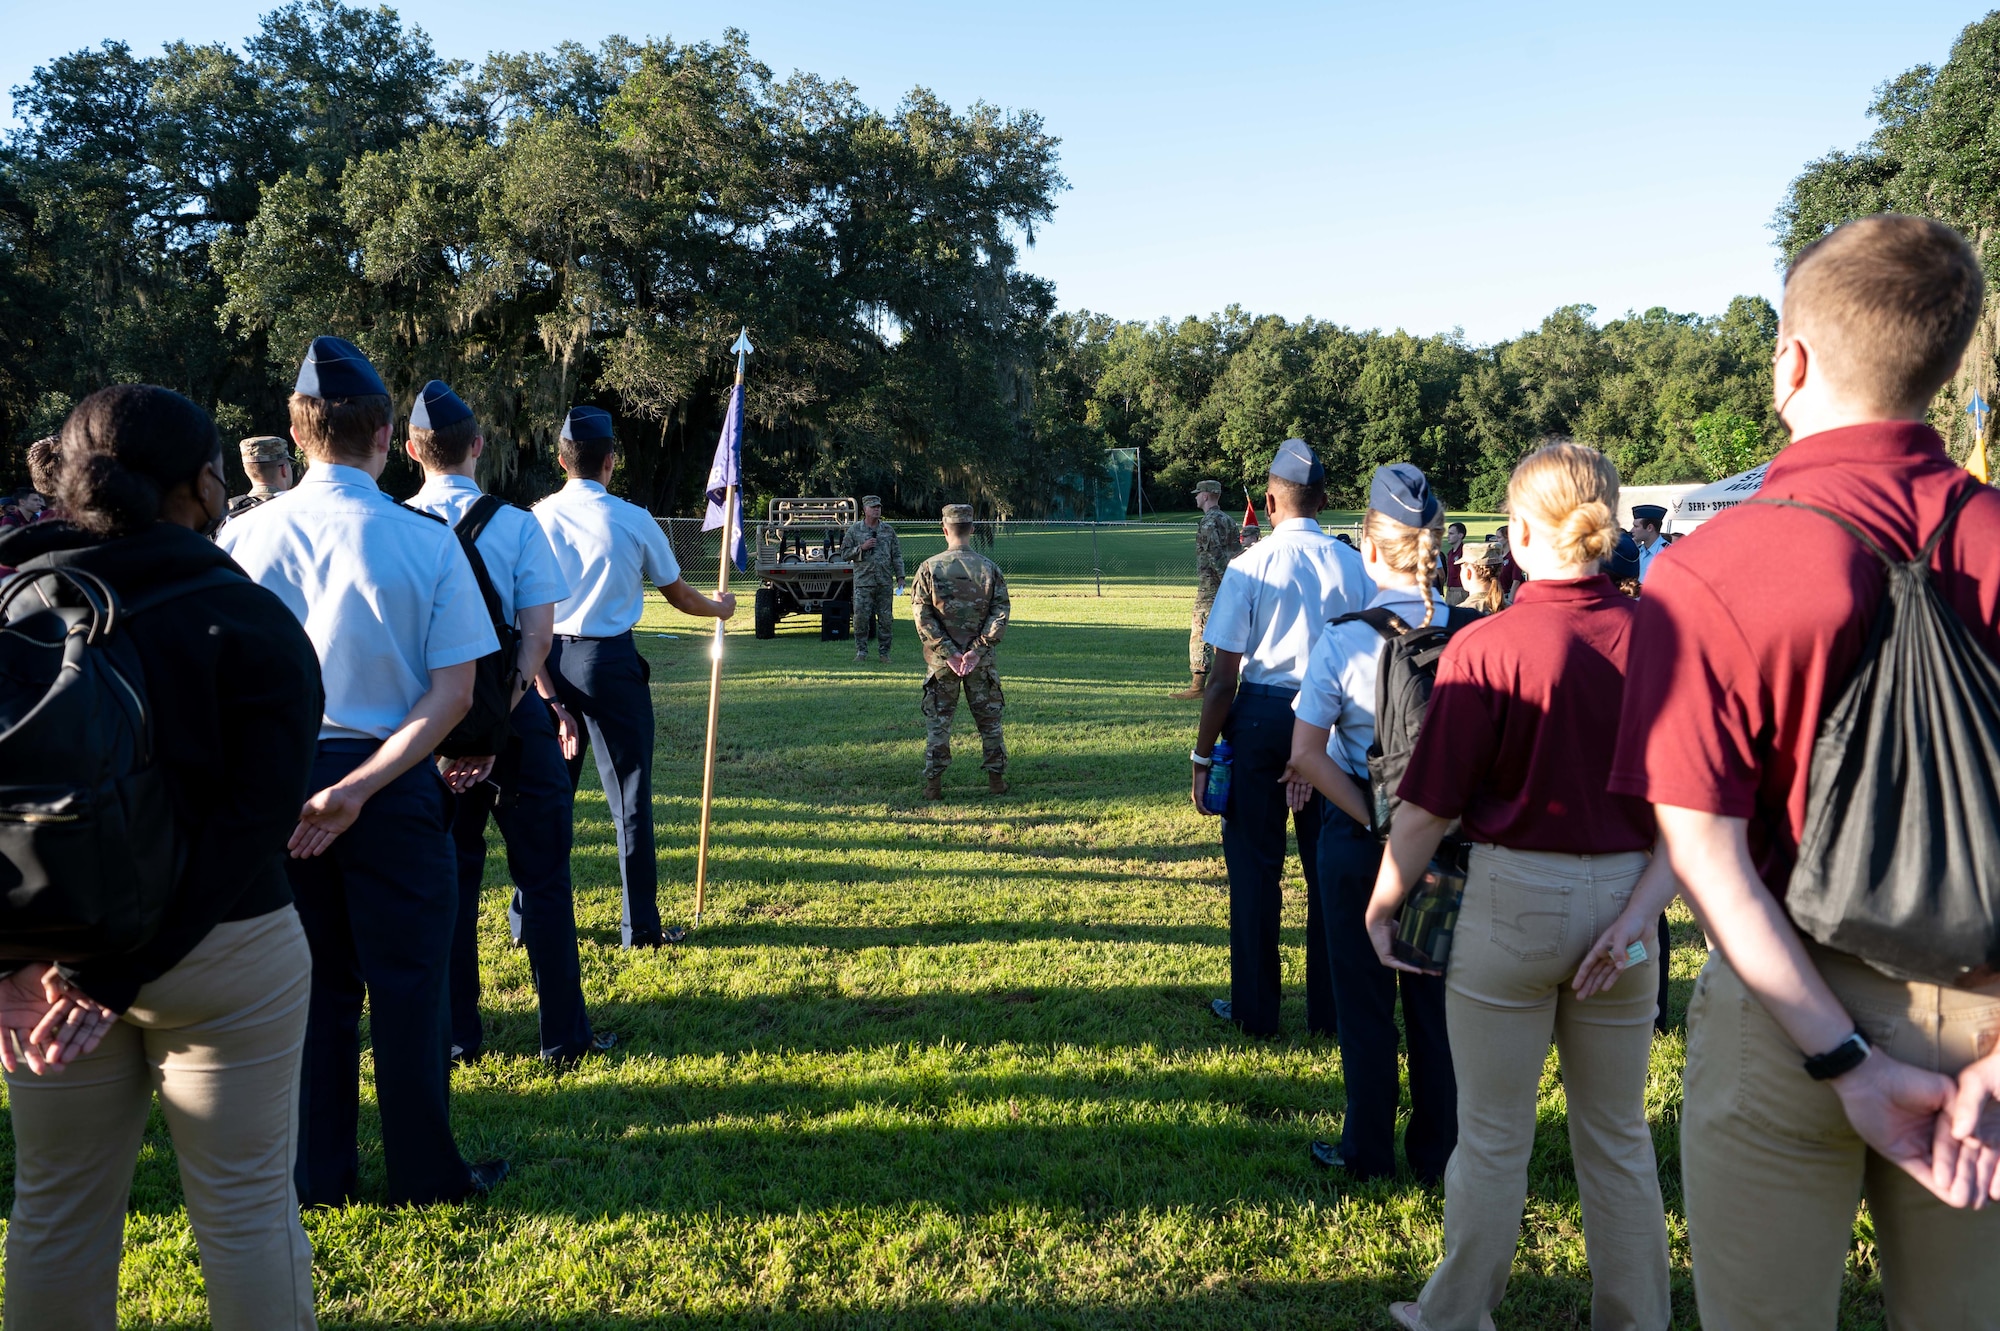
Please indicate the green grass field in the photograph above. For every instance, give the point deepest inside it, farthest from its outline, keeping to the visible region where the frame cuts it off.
(923, 1066)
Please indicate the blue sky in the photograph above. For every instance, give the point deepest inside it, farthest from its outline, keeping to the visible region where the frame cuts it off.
(1380, 165)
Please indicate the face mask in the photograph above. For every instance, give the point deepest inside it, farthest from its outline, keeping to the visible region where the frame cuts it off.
(216, 519)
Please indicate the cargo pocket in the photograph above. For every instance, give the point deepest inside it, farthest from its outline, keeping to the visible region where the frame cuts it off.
(1530, 919)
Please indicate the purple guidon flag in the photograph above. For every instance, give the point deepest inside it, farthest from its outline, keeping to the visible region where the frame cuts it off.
(727, 471)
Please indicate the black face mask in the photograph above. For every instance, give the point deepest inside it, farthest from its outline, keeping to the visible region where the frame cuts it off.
(221, 515)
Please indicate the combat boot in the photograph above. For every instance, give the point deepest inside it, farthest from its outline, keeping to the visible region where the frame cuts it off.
(996, 784)
(934, 787)
(861, 656)
(1192, 691)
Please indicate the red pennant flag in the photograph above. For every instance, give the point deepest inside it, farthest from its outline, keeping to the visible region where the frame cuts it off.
(1251, 531)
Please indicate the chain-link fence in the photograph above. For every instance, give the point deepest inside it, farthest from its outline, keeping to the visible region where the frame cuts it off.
(1053, 558)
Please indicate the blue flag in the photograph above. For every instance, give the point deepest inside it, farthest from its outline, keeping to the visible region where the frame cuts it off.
(726, 471)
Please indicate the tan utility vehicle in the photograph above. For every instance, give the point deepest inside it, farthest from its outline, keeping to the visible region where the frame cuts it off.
(799, 568)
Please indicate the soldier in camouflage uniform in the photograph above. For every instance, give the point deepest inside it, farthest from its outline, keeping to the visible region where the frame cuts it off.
(267, 461)
(1216, 541)
(878, 576)
(960, 603)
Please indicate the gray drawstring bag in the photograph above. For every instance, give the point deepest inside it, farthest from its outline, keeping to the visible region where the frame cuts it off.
(1899, 863)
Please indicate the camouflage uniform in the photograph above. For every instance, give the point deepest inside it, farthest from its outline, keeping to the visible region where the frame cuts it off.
(959, 600)
(264, 448)
(876, 574)
(1216, 541)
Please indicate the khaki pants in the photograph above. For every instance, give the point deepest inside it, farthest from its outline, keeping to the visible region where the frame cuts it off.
(1773, 1171)
(218, 1037)
(1527, 921)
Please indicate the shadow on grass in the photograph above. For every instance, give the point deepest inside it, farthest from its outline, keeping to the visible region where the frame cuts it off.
(854, 937)
(1239, 1304)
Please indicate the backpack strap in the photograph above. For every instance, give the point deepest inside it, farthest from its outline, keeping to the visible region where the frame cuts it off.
(1380, 618)
(1923, 558)
(466, 540)
(473, 524)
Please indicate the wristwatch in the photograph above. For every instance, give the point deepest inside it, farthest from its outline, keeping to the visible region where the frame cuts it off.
(1843, 1057)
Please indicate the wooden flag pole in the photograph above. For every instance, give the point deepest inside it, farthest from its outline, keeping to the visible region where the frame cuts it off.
(741, 348)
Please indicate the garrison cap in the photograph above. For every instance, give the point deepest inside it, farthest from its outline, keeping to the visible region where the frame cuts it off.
(1624, 561)
(1295, 462)
(335, 367)
(1652, 513)
(265, 448)
(1208, 488)
(958, 513)
(584, 424)
(1400, 491)
(871, 501)
(437, 406)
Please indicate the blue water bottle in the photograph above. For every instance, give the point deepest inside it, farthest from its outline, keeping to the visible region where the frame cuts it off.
(1215, 798)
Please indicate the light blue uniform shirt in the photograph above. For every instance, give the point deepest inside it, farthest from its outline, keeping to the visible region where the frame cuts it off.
(515, 550)
(385, 594)
(1339, 692)
(605, 549)
(1648, 553)
(1277, 596)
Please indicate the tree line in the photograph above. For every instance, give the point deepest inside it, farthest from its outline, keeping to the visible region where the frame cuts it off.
(593, 224)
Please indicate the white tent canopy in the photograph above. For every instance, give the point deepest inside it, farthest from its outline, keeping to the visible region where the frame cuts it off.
(1699, 506)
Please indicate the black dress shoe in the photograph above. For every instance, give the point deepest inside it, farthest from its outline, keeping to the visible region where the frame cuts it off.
(602, 1042)
(486, 1176)
(667, 938)
(1327, 1156)
(1222, 1009)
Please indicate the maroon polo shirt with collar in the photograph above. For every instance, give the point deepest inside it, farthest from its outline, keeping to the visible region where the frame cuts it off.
(1745, 637)
(1518, 739)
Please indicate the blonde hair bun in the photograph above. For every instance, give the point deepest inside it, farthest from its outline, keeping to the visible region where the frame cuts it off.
(1571, 490)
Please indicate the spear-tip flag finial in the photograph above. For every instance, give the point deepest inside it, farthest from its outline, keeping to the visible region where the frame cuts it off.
(741, 346)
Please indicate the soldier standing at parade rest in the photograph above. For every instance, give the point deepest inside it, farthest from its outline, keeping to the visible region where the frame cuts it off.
(390, 603)
(1646, 520)
(1275, 600)
(267, 461)
(959, 600)
(1217, 540)
(606, 548)
(877, 555)
(525, 787)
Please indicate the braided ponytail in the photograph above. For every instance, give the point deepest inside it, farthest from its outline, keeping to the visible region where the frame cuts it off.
(1408, 549)
(1427, 563)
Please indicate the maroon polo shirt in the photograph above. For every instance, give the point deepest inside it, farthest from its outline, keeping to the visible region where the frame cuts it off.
(1518, 738)
(1749, 632)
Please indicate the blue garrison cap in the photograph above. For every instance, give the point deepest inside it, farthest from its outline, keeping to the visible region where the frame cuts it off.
(437, 406)
(1624, 561)
(584, 424)
(1296, 462)
(1400, 491)
(335, 367)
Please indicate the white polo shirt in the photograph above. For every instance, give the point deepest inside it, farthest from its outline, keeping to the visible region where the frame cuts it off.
(385, 594)
(1339, 692)
(1277, 596)
(516, 552)
(605, 549)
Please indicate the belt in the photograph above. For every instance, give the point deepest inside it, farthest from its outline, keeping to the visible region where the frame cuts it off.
(1266, 691)
(584, 637)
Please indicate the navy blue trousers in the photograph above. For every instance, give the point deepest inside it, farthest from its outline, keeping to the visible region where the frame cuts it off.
(1349, 858)
(1259, 731)
(603, 682)
(529, 796)
(378, 909)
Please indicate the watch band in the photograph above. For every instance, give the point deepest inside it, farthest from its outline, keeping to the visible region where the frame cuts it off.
(1198, 760)
(1842, 1058)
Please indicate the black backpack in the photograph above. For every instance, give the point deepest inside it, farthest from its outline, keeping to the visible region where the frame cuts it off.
(1404, 677)
(1899, 862)
(489, 725)
(89, 854)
